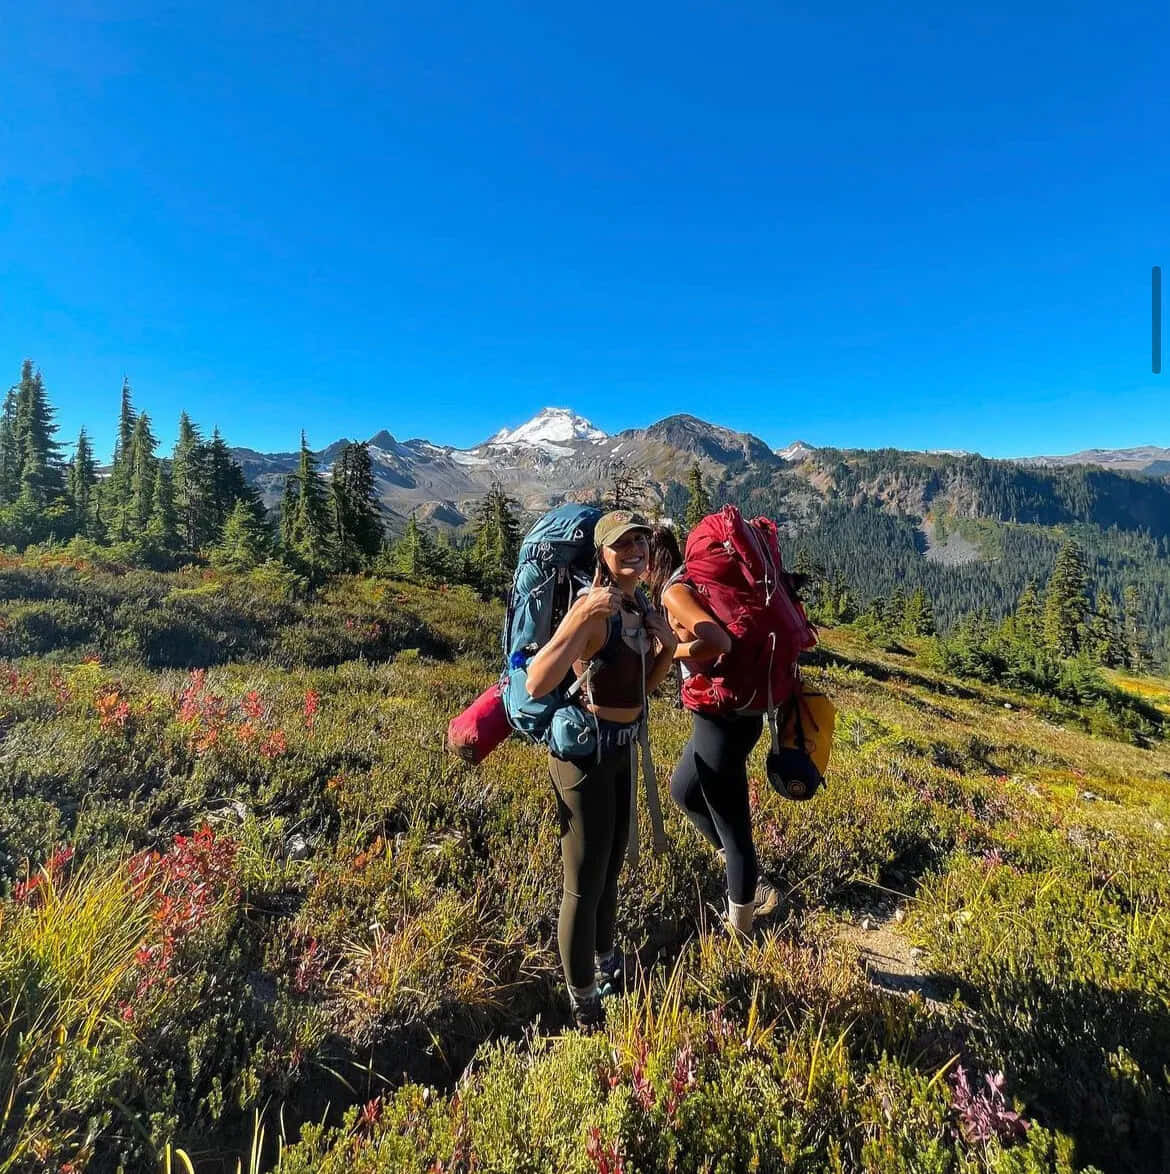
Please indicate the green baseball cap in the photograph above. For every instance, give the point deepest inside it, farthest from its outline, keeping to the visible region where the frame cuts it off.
(610, 527)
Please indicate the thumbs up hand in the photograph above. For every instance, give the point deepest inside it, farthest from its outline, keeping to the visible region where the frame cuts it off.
(601, 600)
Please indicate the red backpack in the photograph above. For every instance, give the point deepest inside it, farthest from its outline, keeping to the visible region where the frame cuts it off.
(734, 567)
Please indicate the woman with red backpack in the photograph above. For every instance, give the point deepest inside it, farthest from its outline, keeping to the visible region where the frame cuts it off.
(740, 629)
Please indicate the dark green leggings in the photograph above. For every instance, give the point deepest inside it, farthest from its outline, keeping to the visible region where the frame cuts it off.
(593, 801)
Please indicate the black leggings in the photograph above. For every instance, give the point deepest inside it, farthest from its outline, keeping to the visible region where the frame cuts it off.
(710, 784)
(593, 801)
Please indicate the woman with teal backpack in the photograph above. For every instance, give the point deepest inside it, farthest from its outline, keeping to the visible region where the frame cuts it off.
(620, 650)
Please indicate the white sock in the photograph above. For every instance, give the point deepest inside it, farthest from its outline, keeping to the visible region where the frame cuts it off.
(740, 917)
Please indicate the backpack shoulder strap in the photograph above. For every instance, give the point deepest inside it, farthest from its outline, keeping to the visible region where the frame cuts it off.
(602, 656)
(606, 652)
(679, 576)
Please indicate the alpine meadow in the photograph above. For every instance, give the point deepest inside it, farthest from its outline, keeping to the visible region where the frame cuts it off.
(255, 916)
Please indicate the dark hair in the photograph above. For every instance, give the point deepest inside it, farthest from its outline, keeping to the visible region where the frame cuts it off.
(665, 559)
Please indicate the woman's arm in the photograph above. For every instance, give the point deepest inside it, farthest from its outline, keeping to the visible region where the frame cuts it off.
(708, 640)
(578, 637)
(658, 629)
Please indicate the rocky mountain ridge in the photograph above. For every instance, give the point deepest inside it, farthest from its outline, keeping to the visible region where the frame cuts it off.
(559, 454)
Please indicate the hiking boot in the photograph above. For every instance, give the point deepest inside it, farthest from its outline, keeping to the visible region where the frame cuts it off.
(767, 898)
(589, 1014)
(611, 974)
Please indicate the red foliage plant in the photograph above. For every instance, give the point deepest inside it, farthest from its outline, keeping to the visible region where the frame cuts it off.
(113, 709)
(16, 684)
(682, 1079)
(604, 1155)
(26, 892)
(274, 745)
(187, 884)
(983, 1113)
(310, 968)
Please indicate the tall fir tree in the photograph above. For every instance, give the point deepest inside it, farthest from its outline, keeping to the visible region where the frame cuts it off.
(161, 527)
(126, 418)
(1066, 602)
(356, 514)
(1029, 616)
(496, 541)
(143, 466)
(189, 472)
(1106, 645)
(82, 479)
(309, 527)
(10, 450)
(288, 511)
(698, 499)
(220, 500)
(116, 490)
(1137, 652)
(39, 455)
(893, 610)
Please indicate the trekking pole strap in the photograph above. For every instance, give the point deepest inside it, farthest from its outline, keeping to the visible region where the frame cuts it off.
(649, 776)
(772, 723)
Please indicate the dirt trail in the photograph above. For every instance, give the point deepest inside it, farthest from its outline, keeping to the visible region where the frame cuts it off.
(888, 958)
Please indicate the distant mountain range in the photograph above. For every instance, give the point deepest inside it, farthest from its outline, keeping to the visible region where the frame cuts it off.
(1148, 459)
(559, 454)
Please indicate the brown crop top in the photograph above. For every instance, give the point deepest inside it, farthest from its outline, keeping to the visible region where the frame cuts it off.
(617, 682)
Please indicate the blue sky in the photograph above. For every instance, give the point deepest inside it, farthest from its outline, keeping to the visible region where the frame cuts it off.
(913, 227)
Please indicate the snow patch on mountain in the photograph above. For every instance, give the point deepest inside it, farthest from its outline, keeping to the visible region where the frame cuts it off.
(460, 457)
(796, 451)
(549, 429)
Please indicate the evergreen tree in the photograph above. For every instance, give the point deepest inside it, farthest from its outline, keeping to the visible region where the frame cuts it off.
(81, 482)
(244, 543)
(1029, 618)
(918, 614)
(288, 511)
(143, 466)
(893, 610)
(220, 483)
(356, 515)
(39, 455)
(1066, 602)
(161, 527)
(413, 555)
(308, 528)
(116, 491)
(126, 418)
(1137, 653)
(10, 450)
(1106, 645)
(496, 541)
(189, 471)
(450, 563)
(698, 500)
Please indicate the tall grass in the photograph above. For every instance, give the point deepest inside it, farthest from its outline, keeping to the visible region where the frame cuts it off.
(66, 957)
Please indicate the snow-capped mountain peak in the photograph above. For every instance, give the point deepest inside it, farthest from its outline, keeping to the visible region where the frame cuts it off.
(551, 426)
(796, 451)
